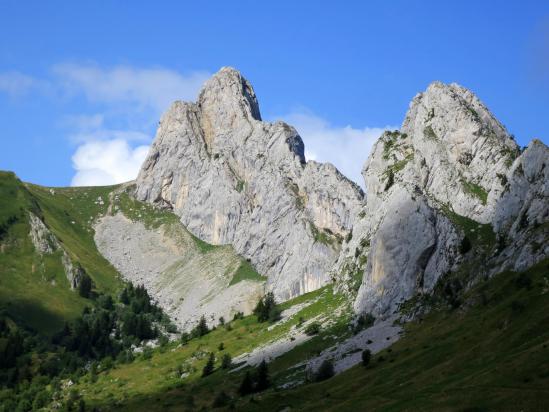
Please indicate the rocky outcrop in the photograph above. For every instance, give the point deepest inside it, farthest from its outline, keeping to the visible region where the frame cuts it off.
(234, 179)
(521, 217)
(450, 158)
(459, 150)
(45, 242)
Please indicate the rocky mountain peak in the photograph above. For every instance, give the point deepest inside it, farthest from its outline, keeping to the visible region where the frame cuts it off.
(459, 149)
(458, 108)
(234, 179)
(451, 157)
(226, 100)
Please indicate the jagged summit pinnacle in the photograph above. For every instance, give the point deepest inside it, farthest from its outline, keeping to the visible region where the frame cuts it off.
(228, 90)
(455, 108)
(234, 179)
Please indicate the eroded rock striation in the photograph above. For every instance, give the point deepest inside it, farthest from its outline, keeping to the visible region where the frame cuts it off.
(234, 179)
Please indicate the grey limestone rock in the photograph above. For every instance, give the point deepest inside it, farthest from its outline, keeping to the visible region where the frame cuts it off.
(234, 179)
(45, 243)
(451, 157)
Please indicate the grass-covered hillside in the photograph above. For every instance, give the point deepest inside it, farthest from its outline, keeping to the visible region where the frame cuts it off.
(490, 354)
(170, 377)
(34, 289)
(478, 348)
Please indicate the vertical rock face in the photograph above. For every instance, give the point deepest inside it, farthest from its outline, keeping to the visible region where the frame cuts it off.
(451, 157)
(234, 179)
(521, 217)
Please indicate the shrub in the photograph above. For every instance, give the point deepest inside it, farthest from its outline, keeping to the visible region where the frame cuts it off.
(349, 236)
(266, 309)
(184, 339)
(390, 179)
(262, 377)
(517, 306)
(221, 346)
(106, 302)
(147, 353)
(312, 329)
(41, 400)
(523, 281)
(465, 245)
(93, 373)
(523, 222)
(274, 314)
(221, 400)
(107, 363)
(257, 382)
(163, 341)
(364, 321)
(85, 285)
(325, 371)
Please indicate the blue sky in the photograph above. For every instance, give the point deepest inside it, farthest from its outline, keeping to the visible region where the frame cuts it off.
(82, 86)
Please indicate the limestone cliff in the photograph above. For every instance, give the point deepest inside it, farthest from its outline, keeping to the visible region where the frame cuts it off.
(234, 179)
(451, 172)
(450, 161)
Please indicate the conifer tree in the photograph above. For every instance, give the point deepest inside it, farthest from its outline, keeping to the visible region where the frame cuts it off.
(226, 361)
(247, 385)
(202, 328)
(262, 377)
(209, 367)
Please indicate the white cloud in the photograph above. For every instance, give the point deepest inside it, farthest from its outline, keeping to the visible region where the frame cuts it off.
(347, 148)
(154, 88)
(108, 162)
(15, 83)
(103, 134)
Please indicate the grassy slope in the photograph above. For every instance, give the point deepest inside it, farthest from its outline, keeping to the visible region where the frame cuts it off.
(34, 289)
(155, 384)
(491, 354)
(70, 214)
